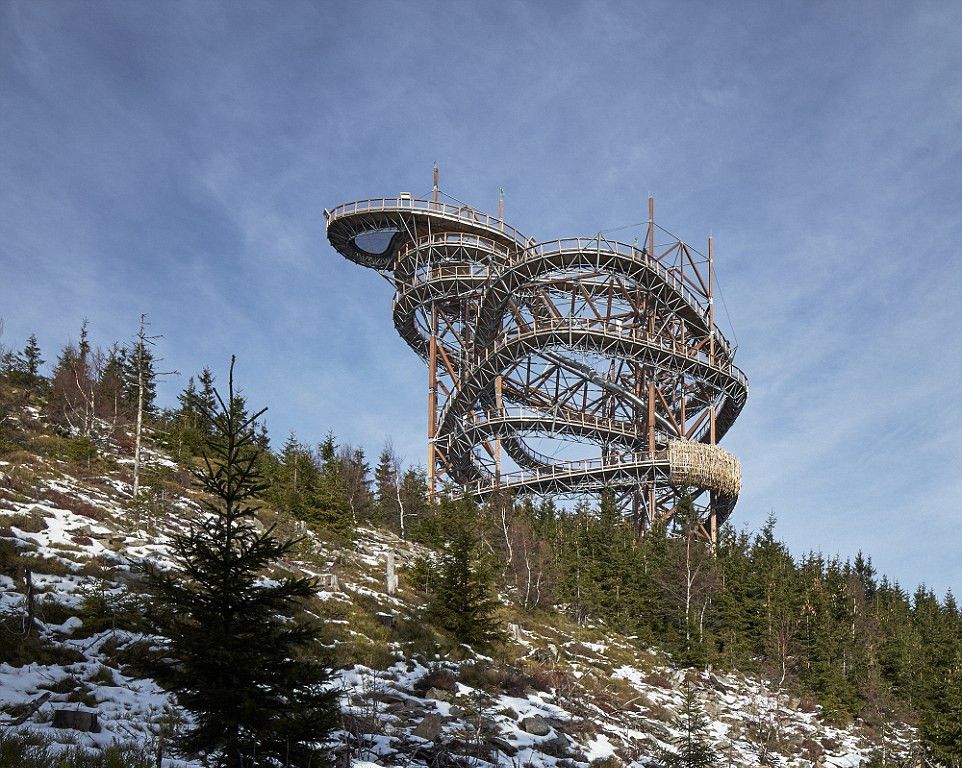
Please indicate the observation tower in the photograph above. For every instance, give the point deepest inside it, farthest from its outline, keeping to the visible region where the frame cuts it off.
(564, 368)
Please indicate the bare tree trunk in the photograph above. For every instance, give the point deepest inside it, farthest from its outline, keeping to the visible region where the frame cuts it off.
(507, 537)
(140, 422)
(398, 467)
(688, 586)
(400, 506)
(140, 406)
(28, 575)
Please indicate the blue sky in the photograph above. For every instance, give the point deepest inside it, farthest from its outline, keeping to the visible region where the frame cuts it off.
(174, 159)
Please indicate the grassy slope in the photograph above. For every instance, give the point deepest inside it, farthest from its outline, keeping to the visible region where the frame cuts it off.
(66, 515)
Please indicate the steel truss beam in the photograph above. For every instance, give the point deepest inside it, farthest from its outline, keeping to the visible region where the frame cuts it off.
(576, 342)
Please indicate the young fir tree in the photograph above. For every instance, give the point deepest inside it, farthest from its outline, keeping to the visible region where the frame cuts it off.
(190, 426)
(138, 365)
(111, 403)
(295, 478)
(386, 488)
(459, 581)
(72, 387)
(26, 365)
(941, 727)
(236, 653)
(329, 507)
(690, 748)
(207, 400)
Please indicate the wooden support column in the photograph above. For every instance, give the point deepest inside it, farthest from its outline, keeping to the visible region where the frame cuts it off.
(499, 402)
(712, 514)
(436, 188)
(712, 520)
(651, 380)
(651, 418)
(711, 301)
(651, 442)
(432, 400)
(711, 323)
(651, 226)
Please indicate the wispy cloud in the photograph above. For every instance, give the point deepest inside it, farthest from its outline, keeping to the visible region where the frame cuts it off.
(176, 160)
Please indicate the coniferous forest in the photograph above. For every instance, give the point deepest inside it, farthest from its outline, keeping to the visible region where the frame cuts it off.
(833, 632)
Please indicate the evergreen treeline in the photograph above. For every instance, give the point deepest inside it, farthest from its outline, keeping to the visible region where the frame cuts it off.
(829, 629)
(859, 644)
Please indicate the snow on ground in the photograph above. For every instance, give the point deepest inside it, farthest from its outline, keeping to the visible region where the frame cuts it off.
(602, 709)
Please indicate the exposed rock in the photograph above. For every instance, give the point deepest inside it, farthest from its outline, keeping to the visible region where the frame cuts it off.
(718, 685)
(658, 730)
(503, 745)
(557, 746)
(547, 655)
(489, 726)
(554, 722)
(76, 719)
(389, 697)
(357, 724)
(441, 679)
(535, 725)
(438, 695)
(429, 728)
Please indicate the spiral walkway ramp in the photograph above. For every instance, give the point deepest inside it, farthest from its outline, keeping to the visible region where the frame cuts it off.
(564, 368)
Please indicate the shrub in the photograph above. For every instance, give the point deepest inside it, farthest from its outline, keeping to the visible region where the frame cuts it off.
(439, 678)
(73, 504)
(32, 750)
(32, 522)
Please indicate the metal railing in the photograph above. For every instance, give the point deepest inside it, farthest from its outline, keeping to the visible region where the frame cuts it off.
(615, 332)
(568, 470)
(464, 213)
(547, 248)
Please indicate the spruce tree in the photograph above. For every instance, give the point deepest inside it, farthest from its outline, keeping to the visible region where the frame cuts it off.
(941, 728)
(26, 364)
(460, 581)
(185, 431)
(72, 387)
(295, 479)
(690, 747)
(354, 476)
(139, 360)
(83, 347)
(329, 508)
(413, 495)
(111, 403)
(385, 488)
(235, 650)
(207, 401)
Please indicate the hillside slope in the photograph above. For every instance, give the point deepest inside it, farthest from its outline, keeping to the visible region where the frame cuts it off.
(556, 694)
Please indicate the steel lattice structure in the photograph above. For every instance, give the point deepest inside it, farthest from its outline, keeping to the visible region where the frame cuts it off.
(565, 367)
